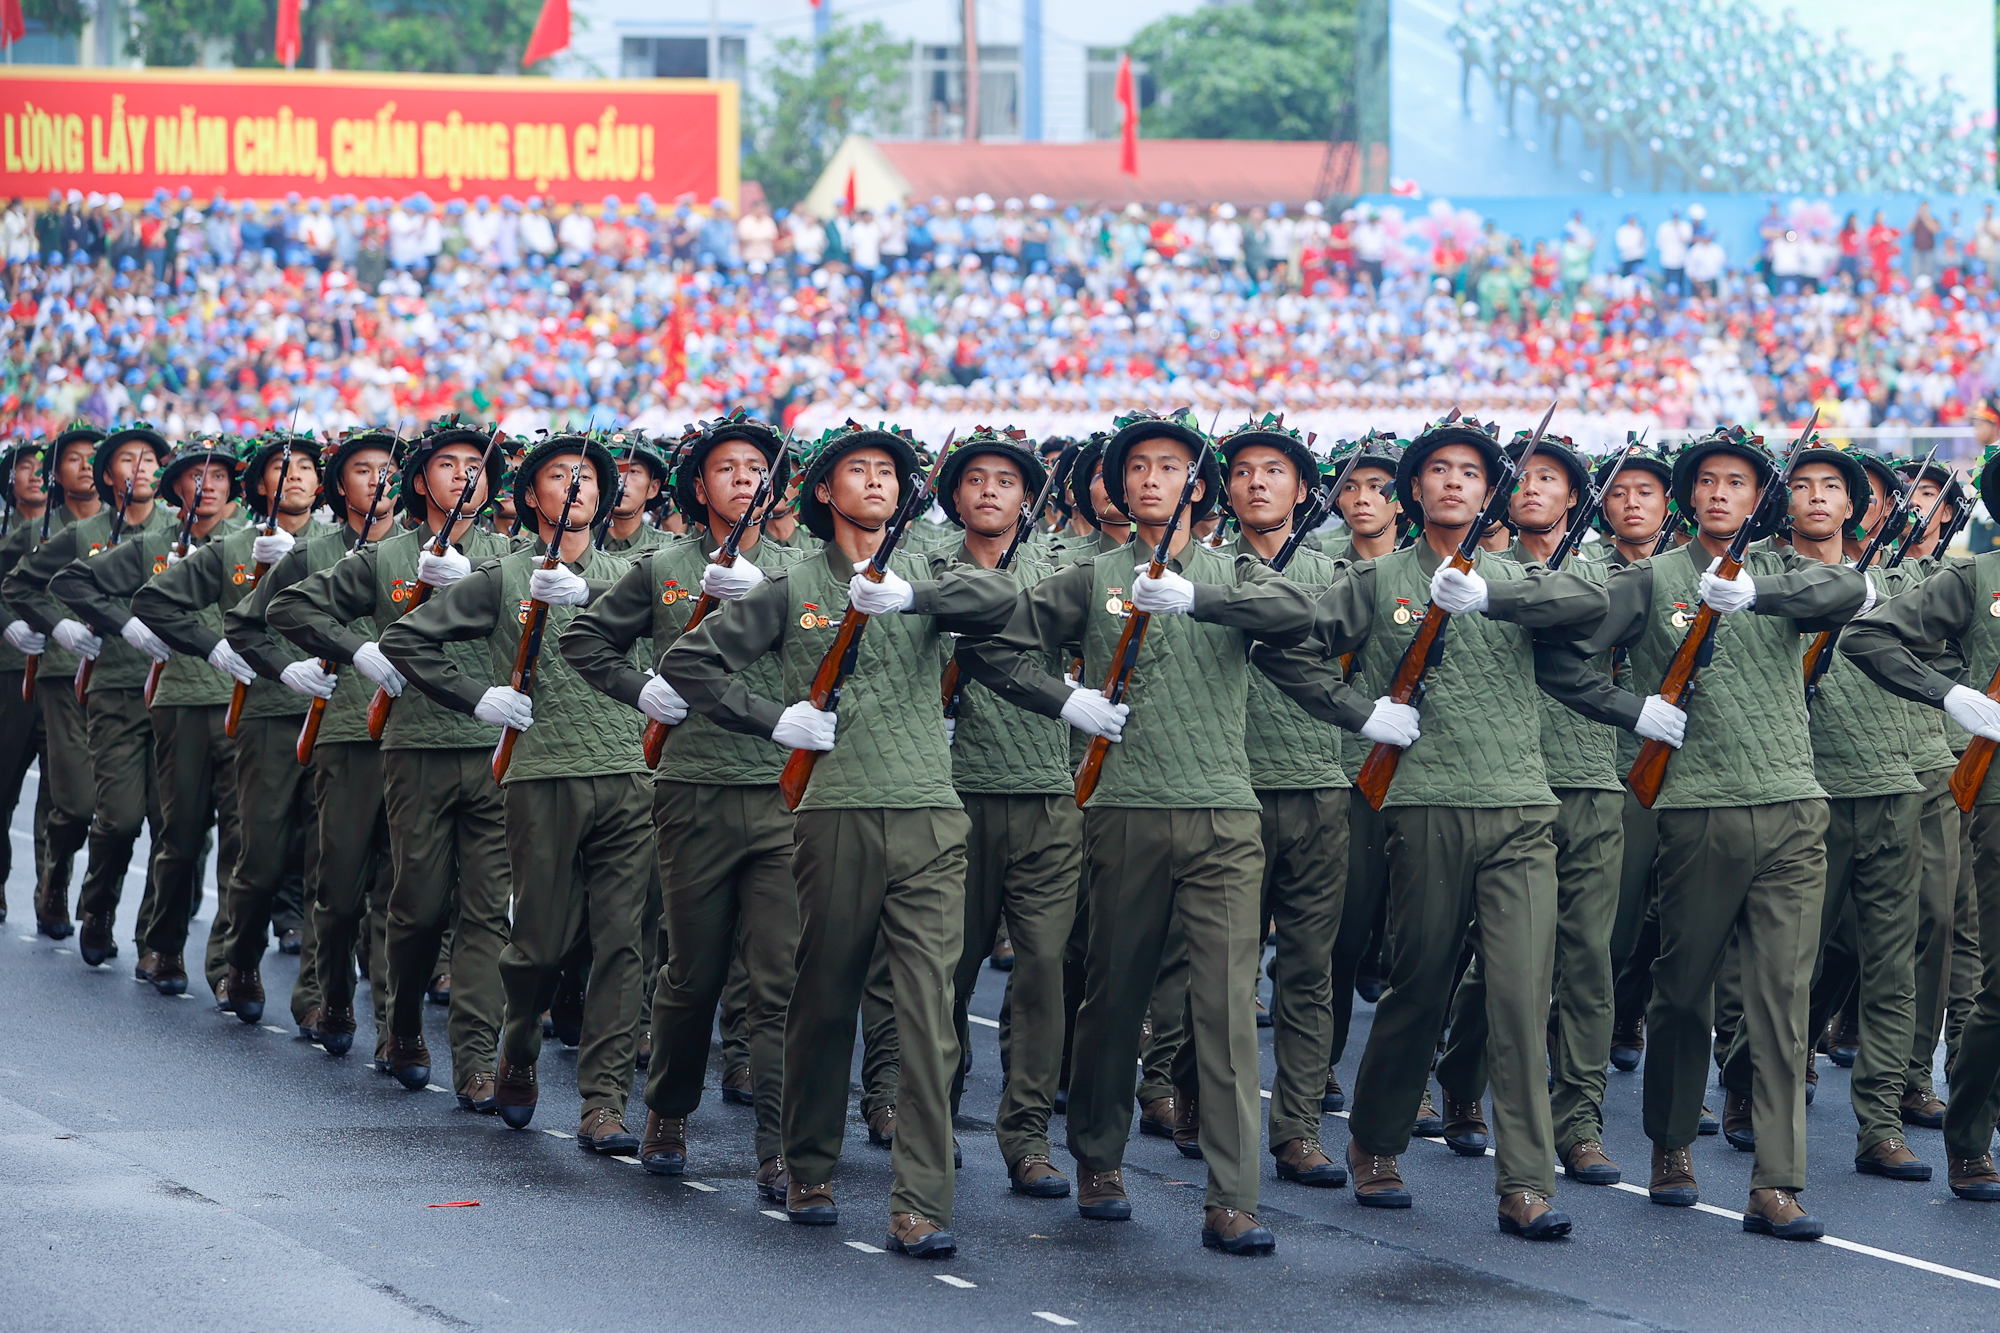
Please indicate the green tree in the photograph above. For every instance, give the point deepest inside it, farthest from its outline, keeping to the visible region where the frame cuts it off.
(408, 36)
(64, 18)
(816, 92)
(1270, 69)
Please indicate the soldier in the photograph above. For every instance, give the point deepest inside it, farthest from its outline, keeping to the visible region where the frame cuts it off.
(447, 840)
(23, 740)
(120, 731)
(880, 834)
(195, 761)
(1742, 819)
(350, 826)
(579, 836)
(1954, 604)
(1469, 814)
(724, 836)
(1172, 831)
(1025, 850)
(643, 475)
(1579, 759)
(66, 776)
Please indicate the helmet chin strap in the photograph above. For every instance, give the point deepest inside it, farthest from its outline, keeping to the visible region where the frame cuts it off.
(1267, 531)
(865, 527)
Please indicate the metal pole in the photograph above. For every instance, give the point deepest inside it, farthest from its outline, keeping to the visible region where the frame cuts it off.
(971, 70)
(714, 43)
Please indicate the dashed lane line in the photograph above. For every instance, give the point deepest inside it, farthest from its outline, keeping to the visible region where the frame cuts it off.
(773, 1214)
(983, 1022)
(1052, 1317)
(629, 1161)
(273, 1027)
(951, 1281)
(697, 1185)
(864, 1247)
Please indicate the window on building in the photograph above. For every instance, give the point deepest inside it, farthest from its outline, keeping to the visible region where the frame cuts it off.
(939, 106)
(1103, 117)
(680, 58)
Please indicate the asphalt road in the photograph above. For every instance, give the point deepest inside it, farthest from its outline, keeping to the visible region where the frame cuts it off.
(166, 1166)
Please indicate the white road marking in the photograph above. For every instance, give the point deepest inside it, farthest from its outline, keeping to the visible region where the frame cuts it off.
(697, 1185)
(1053, 1318)
(951, 1281)
(27, 939)
(773, 1214)
(983, 1022)
(863, 1246)
(557, 1134)
(621, 1157)
(428, 1087)
(183, 996)
(273, 1027)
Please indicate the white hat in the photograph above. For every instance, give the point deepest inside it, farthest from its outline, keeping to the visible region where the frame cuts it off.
(1225, 210)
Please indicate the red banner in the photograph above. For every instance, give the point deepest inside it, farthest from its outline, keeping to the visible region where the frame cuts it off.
(262, 135)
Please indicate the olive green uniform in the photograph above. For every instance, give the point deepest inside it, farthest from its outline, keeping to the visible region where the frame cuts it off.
(1742, 827)
(23, 738)
(880, 841)
(1469, 823)
(1023, 858)
(1953, 605)
(1172, 831)
(447, 835)
(724, 840)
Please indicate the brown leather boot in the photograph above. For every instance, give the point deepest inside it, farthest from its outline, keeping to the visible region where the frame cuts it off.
(1737, 1126)
(882, 1126)
(410, 1061)
(1187, 1125)
(143, 969)
(246, 994)
(1465, 1131)
(1892, 1158)
(1429, 1124)
(93, 941)
(1306, 1162)
(1235, 1232)
(664, 1150)
(1922, 1107)
(1774, 1212)
(1673, 1178)
(1035, 1177)
(603, 1131)
(736, 1087)
(1378, 1183)
(1334, 1098)
(1100, 1196)
(810, 1205)
(170, 976)
(52, 912)
(477, 1094)
(772, 1178)
(1587, 1164)
(515, 1093)
(1974, 1178)
(919, 1237)
(336, 1028)
(1530, 1217)
(645, 1057)
(1156, 1117)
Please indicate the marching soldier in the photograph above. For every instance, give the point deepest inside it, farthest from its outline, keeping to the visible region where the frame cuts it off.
(880, 833)
(23, 740)
(643, 476)
(724, 835)
(578, 828)
(66, 777)
(447, 841)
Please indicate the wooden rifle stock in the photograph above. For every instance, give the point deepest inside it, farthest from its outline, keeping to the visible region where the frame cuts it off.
(234, 717)
(309, 729)
(529, 648)
(654, 739)
(1123, 658)
(1649, 770)
(1378, 770)
(825, 695)
(28, 674)
(1970, 775)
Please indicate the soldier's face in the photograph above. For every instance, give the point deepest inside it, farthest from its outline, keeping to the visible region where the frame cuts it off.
(1264, 487)
(1155, 472)
(444, 477)
(1367, 502)
(301, 482)
(1543, 496)
(1451, 486)
(28, 480)
(863, 486)
(1100, 499)
(213, 478)
(1725, 494)
(991, 495)
(1820, 501)
(1636, 505)
(730, 475)
(359, 476)
(134, 465)
(552, 490)
(73, 471)
(641, 488)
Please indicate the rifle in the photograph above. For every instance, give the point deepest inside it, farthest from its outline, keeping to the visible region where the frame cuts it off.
(316, 710)
(654, 738)
(529, 650)
(34, 662)
(1125, 656)
(1819, 654)
(845, 651)
(233, 718)
(181, 545)
(953, 685)
(603, 532)
(1649, 770)
(1426, 650)
(88, 666)
(1915, 534)
(379, 706)
(1593, 505)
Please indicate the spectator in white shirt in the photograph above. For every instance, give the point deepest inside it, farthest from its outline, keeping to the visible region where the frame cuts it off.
(538, 237)
(1705, 262)
(1630, 239)
(1671, 239)
(577, 235)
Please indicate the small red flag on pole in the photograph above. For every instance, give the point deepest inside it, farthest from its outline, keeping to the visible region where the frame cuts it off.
(551, 34)
(848, 200)
(13, 26)
(1128, 98)
(288, 32)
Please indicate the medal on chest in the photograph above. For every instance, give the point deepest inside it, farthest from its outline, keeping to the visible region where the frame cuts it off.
(400, 590)
(522, 614)
(671, 592)
(1116, 605)
(1994, 610)
(1679, 619)
(812, 617)
(240, 574)
(1401, 615)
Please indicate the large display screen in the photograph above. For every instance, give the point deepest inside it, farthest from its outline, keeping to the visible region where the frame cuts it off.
(1529, 97)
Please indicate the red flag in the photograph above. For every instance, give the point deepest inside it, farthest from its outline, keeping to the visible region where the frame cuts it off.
(848, 202)
(551, 33)
(288, 33)
(1128, 148)
(13, 27)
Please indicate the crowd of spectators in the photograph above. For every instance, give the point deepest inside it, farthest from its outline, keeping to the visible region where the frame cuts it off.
(221, 315)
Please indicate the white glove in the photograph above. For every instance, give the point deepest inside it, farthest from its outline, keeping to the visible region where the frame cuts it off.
(1457, 591)
(230, 662)
(731, 583)
(505, 706)
(660, 702)
(891, 595)
(372, 662)
(26, 639)
(269, 548)
(173, 556)
(137, 633)
(1661, 721)
(1392, 724)
(76, 636)
(307, 678)
(558, 587)
(951, 731)
(1730, 596)
(804, 727)
(1091, 713)
(441, 571)
(1167, 595)
(1973, 711)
